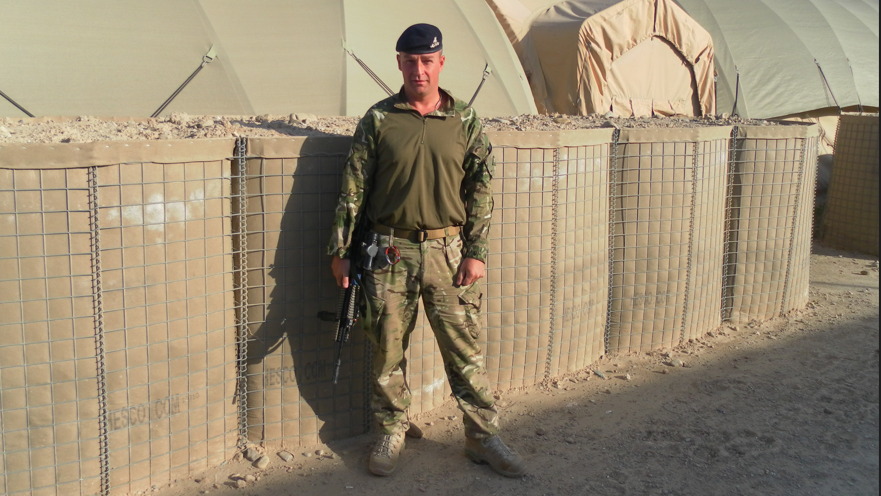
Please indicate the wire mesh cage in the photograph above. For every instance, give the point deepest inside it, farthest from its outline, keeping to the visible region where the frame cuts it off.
(292, 187)
(769, 221)
(664, 186)
(49, 405)
(850, 220)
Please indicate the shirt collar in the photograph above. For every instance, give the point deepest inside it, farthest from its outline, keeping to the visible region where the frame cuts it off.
(447, 108)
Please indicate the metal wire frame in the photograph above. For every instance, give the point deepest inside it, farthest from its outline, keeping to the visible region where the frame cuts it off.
(581, 287)
(46, 252)
(100, 349)
(291, 396)
(240, 249)
(763, 212)
(851, 216)
(517, 307)
(167, 306)
(656, 215)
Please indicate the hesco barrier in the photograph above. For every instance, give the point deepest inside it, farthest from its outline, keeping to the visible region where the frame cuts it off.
(117, 342)
(850, 220)
(159, 299)
(771, 197)
(667, 227)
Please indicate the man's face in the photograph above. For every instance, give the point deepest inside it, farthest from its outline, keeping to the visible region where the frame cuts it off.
(421, 72)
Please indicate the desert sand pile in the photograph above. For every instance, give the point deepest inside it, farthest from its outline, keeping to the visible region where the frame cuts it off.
(182, 126)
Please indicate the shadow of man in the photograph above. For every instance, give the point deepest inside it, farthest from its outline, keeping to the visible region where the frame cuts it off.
(293, 189)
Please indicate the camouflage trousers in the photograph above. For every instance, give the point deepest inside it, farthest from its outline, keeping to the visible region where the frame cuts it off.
(426, 270)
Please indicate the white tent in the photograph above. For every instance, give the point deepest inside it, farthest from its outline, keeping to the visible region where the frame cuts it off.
(785, 57)
(126, 57)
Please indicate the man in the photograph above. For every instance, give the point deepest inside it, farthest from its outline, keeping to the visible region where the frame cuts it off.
(420, 170)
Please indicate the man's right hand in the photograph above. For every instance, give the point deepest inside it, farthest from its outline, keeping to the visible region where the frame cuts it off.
(341, 268)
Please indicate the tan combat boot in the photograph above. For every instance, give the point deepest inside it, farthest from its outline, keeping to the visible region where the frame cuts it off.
(384, 459)
(501, 458)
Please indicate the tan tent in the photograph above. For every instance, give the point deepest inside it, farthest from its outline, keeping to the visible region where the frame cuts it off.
(633, 57)
(126, 57)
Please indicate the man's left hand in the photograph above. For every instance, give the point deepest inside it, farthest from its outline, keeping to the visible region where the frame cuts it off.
(470, 270)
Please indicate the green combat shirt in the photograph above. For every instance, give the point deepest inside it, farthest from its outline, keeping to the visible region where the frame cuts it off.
(418, 172)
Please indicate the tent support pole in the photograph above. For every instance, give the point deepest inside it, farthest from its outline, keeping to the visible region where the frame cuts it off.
(826, 82)
(19, 107)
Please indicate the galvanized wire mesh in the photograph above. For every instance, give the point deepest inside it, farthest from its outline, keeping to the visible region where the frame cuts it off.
(49, 408)
(292, 187)
(169, 321)
(582, 257)
(764, 219)
(850, 220)
(667, 184)
(518, 283)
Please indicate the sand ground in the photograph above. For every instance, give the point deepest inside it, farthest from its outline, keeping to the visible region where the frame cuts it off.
(785, 407)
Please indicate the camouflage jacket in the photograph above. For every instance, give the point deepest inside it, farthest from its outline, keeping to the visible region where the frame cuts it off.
(441, 181)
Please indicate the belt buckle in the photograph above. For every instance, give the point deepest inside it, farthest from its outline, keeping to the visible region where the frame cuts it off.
(421, 236)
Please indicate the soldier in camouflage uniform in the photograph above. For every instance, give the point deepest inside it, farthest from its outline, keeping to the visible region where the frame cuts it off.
(420, 170)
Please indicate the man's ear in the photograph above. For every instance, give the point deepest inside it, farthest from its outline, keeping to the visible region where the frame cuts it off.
(398, 58)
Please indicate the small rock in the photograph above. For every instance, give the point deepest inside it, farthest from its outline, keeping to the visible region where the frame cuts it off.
(319, 452)
(725, 115)
(864, 272)
(562, 120)
(262, 462)
(180, 118)
(241, 484)
(285, 456)
(501, 121)
(250, 478)
(307, 455)
(609, 114)
(204, 123)
(677, 363)
(570, 440)
(599, 374)
(4, 133)
(252, 455)
(628, 377)
(540, 432)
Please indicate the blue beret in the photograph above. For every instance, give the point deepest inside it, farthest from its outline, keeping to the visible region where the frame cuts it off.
(419, 39)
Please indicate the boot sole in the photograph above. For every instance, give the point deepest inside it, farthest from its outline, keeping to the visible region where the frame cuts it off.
(482, 461)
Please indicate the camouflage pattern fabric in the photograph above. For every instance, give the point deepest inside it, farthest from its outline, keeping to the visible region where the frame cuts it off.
(358, 173)
(427, 270)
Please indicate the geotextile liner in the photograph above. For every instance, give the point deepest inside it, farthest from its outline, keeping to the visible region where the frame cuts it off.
(292, 187)
(850, 221)
(668, 193)
(771, 194)
(160, 299)
(117, 362)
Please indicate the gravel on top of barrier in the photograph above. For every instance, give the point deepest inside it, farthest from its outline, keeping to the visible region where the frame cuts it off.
(87, 129)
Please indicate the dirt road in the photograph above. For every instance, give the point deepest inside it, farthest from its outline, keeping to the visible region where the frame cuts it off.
(788, 407)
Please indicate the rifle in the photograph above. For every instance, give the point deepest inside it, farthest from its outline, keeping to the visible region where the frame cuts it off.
(349, 308)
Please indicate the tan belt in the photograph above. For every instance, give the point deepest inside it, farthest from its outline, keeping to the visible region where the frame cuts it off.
(418, 236)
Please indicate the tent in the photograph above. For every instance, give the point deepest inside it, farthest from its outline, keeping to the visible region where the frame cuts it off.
(780, 58)
(633, 57)
(125, 58)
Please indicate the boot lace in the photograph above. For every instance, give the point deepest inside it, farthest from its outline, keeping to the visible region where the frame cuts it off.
(385, 446)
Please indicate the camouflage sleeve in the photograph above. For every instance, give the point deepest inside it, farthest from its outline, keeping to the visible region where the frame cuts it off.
(477, 189)
(355, 184)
